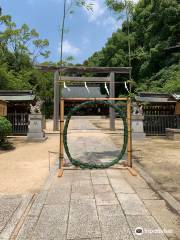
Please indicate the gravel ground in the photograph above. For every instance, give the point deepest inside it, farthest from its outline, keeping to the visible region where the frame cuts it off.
(26, 168)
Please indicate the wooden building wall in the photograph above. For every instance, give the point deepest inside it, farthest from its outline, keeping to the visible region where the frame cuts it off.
(159, 109)
(3, 108)
(178, 108)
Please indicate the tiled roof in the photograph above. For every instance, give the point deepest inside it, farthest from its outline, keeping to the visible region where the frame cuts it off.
(154, 97)
(16, 95)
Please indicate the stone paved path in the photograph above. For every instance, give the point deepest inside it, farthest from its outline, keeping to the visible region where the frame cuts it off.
(97, 147)
(8, 205)
(98, 204)
(12, 208)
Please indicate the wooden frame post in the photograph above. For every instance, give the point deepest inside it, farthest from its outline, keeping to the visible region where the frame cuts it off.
(129, 120)
(112, 95)
(61, 145)
(56, 102)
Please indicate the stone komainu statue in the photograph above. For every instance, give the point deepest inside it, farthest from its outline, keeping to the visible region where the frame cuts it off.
(137, 109)
(36, 108)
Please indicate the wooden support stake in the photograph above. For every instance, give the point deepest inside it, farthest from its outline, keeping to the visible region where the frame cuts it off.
(129, 120)
(56, 102)
(95, 99)
(132, 171)
(61, 147)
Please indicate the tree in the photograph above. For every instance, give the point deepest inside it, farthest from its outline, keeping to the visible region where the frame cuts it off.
(22, 41)
(154, 39)
(19, 49)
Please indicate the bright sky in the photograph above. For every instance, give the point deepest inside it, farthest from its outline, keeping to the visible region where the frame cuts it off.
(87, 31)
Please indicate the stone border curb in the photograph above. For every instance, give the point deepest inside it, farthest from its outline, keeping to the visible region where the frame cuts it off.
(25, 209)
(36, 207)
(11, 225)
(172, 202)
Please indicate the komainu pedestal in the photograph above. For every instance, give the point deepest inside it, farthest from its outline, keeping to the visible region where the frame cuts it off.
(35, 128)
(137, 127)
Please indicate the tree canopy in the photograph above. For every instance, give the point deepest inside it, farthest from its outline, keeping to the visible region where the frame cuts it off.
(19, 50)
(149, 40)
(154, 33)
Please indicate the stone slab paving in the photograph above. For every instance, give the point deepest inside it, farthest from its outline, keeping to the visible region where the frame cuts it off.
(132, 204)
(100, 180)
(98, 204)
(120, 185)
(89, 138)
(83, 220)
(113, 223)
(137, 182)
(93, 216)
(106, 198)
(164, 216)
(151, 229)
(8, 206)
(28, 227)
(12, 209)
(147, 193)
(52, 223)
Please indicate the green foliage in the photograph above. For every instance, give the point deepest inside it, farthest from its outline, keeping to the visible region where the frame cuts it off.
(154, 26)
(121, 6)
(20, 49)
(21, 42)
(6, 145)
(5, 130)
(166, 80)
(150, 28)
(84, 3)
(115, 5)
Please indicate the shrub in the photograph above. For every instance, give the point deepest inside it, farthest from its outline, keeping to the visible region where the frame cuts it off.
(5, 129)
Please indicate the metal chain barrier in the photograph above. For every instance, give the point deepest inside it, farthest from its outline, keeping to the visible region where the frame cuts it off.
(90, 165)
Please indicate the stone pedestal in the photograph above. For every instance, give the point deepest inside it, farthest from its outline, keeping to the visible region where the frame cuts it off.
(137, 127)
(35, 128)
(173, 134)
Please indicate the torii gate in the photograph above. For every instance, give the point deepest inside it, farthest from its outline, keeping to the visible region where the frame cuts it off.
(80, 70)
(111, 71)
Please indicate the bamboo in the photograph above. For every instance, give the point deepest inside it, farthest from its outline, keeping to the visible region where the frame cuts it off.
(129, 120)
(112, 115)
(95, 99)
(61, 147)
(132, 171)
(56, 102)
(84, 79)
